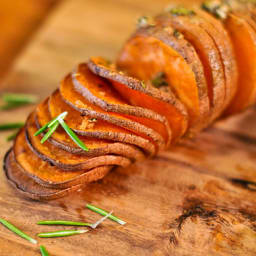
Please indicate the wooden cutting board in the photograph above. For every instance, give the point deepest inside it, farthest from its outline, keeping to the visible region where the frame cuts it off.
(197, 199)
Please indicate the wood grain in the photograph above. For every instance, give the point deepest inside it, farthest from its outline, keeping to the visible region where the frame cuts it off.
(196, 199)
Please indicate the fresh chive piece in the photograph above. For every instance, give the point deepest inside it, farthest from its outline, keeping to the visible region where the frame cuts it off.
(181, 11)
(19, 98)
(143, 84)
(63, 222)
(50, 132)
(12, 136)
(49, 124)
(104, 213)
(10, 126)
(10, 105)
(72, 135)
(97, 223)
(43, 251)
(61, 233)
(17, 231)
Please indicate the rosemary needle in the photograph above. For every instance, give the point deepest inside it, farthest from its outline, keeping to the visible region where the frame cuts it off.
(17, 231)
(50, 132)
(52, 122)
(43, 251)
(104, 213)
(61, 233)
(10, 126)
(72, 135)
(64, 223)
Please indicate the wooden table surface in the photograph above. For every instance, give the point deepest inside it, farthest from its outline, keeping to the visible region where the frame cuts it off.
(197, 199)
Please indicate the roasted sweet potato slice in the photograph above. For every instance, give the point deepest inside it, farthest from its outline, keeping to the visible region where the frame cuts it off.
(216, 30)
(207, 52)
(79, 103)
(153, 51)
(68, 161)
(51, 176)
(100, 92)
(82, 125)
(27, 187)
(140, 94)
(244, 42)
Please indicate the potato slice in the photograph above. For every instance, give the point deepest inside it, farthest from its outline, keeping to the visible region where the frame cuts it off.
(27, 187)
(207, 52)
(49, 175)
(135, 90)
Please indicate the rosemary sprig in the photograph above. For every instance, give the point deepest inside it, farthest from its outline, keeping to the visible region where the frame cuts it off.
(17, 231)
(43, 251)
(50, 132)
(64, 223)
(49, 124)
(72, 135)
(105, 213)
(10, 126)
(12, 136)
(19, 98)
(61, 233)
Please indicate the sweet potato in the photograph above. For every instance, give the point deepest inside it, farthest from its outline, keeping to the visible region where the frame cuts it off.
(244, 42)
(152, 51)
(216, 30)
(79, 103)
(100, 92)
(207, 52)
(27, 187)
(81, 125)
(49, 175)
(134, 90)
(68, 161)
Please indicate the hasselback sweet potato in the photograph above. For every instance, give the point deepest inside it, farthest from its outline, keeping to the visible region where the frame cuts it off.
(172, 78)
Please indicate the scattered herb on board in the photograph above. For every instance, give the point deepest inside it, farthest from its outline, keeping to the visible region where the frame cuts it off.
(105, 213)
(64, 223)
(181, 11)
(217, 8)
(14, 100)
(10, 126)
(145, 21)
(43, 251)
(12, 136)
(53, 125)
(61, 233)
(17, 231)
(159, 80)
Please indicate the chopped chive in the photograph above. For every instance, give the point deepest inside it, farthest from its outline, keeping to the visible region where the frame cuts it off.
(17, 231)
(72, 135)
(63, 222)
(43, 128)
(143, 84)
(61, 233)
(181, 11)
(43, 251)
(19, 98)
(97, 223)
(10, 105)
(10, 126)
(104, 213)
(50, 132)
(12, 136)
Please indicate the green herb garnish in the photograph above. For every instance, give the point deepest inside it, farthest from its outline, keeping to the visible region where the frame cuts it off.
(97, 223)
(181, 11)
(43, 251)
(177, 34)
(17, 231)
(64, 223)
(143, 84)
(11, 126)
(61, 233)
(105, 213)
(14, 100)
(145, 21)
(159, 80)
(50, 132)
(217, 8)
(92, 120)
(12, 136)
(72, 135)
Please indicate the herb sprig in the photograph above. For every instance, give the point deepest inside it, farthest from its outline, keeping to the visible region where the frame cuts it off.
(43, 251)
(17, 231)
(61, 233)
